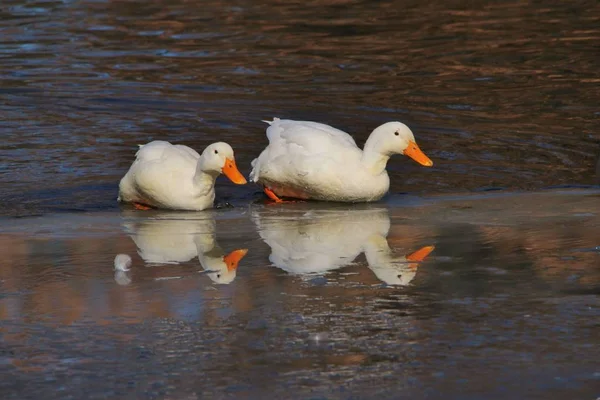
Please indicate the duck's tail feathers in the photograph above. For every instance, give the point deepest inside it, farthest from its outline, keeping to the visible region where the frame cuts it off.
(140, 147)
(270, 122)
(255, 171)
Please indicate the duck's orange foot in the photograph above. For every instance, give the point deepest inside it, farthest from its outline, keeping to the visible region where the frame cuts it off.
(271, 195)
(140, 206)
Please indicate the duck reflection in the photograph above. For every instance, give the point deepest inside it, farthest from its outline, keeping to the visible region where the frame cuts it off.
(318, 240)
(122, 266)
(173, 238)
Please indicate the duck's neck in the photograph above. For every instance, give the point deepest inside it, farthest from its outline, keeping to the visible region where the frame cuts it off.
(212, 259)
(377, 250)
(373, 160)
(205, 243)
(204, 181)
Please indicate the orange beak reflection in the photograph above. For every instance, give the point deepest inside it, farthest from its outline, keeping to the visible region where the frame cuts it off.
(230, 170)
(233, 259)
(413, 151)
(419, 256)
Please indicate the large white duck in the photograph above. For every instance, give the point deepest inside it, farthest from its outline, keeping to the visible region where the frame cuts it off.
(309, 160)
(176, 177)
(325, 239)
(174, 238)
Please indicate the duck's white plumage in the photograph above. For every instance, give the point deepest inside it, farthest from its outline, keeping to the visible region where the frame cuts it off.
(179, 238)
(323, 240)
(310, 160)
(319, 240)
(170, 176)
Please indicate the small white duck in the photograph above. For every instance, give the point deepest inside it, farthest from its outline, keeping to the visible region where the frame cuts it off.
(325, 239)
(309, 160)
(176, 177)
(175, 238)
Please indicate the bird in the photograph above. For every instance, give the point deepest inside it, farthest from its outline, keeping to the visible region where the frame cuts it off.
(313, 161)
(176, 177)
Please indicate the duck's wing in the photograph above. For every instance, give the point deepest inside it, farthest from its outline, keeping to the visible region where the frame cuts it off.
(307, 134)
(160, 150)
(160, 172)
(187, 151)
(297, 148)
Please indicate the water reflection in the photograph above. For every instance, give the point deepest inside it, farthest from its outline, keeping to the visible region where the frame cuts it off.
(322, 239)
(598, 170)
(508, 271)
(174, 238)
(122, 266)
(122, 262)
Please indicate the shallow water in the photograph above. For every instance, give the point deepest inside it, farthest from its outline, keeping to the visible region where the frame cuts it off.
(327, 302)
(499, 95)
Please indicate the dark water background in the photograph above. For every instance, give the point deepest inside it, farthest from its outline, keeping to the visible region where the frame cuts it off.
(500, 95)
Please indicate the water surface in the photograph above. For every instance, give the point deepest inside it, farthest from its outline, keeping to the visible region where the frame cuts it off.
(325, 303)
(328, 301)
(498, 94)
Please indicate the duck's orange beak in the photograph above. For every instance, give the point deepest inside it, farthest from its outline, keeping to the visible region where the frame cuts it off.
(413, 151)
(233, 259)
(419, 256)
(230, 170)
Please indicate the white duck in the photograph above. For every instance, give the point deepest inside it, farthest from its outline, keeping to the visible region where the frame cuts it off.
(309, 160)
(323, 240)
(177, 177)
(178, 238)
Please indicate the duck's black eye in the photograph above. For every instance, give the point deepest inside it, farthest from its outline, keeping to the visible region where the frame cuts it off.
(216, 151)
(397, 133)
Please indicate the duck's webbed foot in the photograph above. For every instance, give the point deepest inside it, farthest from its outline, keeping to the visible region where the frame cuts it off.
(141, 206)
(271, 195)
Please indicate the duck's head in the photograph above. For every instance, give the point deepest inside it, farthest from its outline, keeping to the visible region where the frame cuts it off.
(399, 270)
(396, 138)
(218, 158)
(224, 270)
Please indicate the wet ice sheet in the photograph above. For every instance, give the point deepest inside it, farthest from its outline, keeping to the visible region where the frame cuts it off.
(505, 306)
